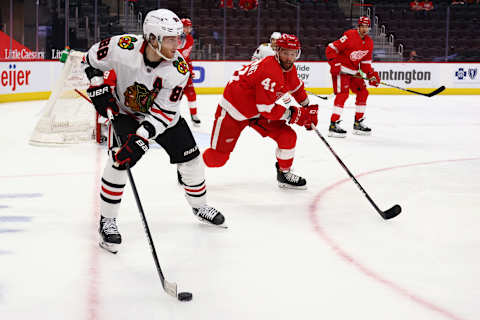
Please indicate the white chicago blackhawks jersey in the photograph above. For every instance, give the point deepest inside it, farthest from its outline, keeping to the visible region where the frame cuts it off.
(263, 50)
(150, 94)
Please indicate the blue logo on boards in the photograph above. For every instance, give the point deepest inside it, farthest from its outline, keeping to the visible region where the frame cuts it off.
(472, 73)
(461, 73)
(199, 74)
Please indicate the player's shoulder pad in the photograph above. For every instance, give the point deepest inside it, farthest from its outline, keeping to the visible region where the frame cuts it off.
(128, 41)
(350, 32)
(270, 65)
(179, 63)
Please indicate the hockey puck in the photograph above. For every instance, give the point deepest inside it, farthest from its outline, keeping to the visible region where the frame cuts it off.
(185, 296)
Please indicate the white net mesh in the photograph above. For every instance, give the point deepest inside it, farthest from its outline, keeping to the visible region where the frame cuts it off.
(67, 118)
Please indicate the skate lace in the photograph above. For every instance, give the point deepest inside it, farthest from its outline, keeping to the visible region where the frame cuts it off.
(207, 212)
(360, 124)
(336, 125)
(292, 177)
(109, 226)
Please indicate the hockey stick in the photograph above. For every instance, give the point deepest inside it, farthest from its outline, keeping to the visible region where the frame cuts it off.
(169, 287)
(318, 96)
(431, 94)
(80, 93)
(387, 214)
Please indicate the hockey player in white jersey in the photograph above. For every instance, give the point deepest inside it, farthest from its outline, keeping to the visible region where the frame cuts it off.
(141, 79)
(267, 49)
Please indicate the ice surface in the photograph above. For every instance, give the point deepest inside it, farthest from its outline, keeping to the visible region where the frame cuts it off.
(323, 253)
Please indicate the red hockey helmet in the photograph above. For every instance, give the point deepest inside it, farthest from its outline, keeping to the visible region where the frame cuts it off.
(288, 41)
(364, 21)
(248, 4)
(187, 22)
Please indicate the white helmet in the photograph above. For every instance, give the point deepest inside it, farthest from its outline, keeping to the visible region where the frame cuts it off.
(273, 39)
(161, 23)
(276, 35)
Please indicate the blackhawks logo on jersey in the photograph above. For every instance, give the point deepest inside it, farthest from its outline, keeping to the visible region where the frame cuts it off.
(126, 42)
(139, 98)
(181, 65)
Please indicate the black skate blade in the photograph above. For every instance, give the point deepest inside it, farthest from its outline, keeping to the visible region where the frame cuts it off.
(112, 248)
(392, 212)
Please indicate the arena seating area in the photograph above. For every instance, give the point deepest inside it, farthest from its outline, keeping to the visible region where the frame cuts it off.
(320, 22)
(426, 32)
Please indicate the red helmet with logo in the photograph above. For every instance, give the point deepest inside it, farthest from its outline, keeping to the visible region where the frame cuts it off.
(186, 22)
(364, 21)
(288, 41)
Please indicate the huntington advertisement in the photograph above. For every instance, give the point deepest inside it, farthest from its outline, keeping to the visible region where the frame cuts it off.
(29, 78)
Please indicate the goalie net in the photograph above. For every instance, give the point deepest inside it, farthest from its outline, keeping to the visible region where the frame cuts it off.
(67, 118)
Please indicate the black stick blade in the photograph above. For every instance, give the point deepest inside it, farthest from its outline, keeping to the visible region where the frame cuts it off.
(437, 91)
(392, 212)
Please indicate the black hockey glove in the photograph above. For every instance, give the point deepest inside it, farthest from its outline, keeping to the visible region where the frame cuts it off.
(102, 98)
(131, 151)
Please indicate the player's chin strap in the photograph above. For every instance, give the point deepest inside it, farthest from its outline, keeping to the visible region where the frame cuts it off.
(158, 51)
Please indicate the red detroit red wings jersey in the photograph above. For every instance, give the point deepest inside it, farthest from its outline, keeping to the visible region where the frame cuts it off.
(254, 89)
(186, 47)
(352, 52)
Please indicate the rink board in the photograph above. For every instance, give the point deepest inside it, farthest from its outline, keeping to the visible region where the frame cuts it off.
(31, 80)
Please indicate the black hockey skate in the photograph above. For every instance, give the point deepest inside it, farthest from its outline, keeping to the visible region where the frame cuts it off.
(195, 120)
(360, 128)
(111, 238)
(210, 215)
(334, 130)
(290, 180)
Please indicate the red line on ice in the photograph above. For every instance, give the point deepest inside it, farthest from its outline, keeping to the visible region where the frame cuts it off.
(93, 267)
(337, 248)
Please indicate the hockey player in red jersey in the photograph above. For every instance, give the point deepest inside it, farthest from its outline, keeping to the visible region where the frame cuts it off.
(150, 77)
(250, 99)
(185, 49)
(346, 56)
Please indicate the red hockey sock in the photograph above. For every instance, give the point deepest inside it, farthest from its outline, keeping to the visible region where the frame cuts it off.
(285, 165)
(358, 116)
(335, 117)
